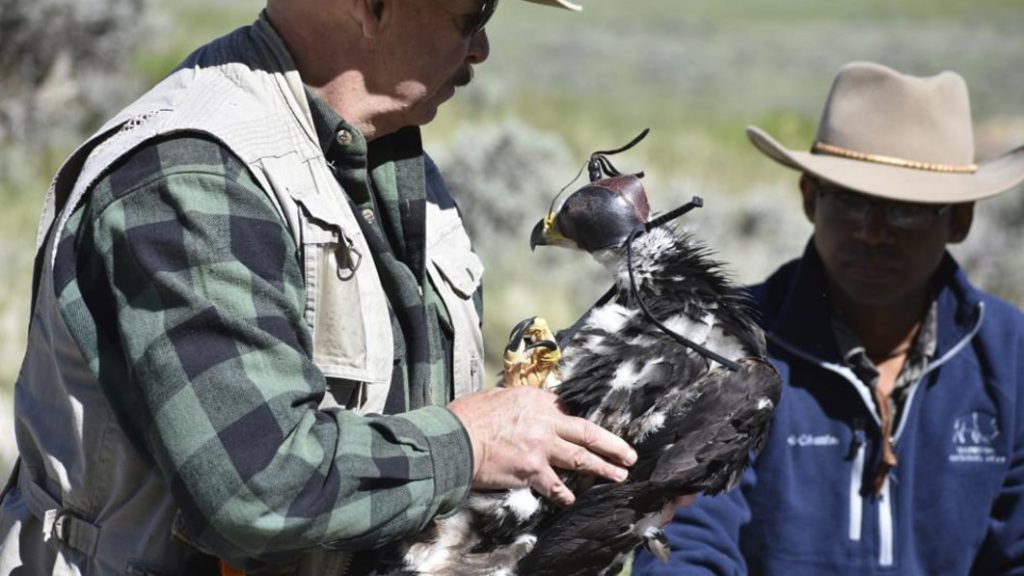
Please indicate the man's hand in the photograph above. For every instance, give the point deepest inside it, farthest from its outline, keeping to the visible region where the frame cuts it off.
(519, 436)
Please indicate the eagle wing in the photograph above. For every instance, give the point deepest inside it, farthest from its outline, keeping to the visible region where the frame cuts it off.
(709, 431)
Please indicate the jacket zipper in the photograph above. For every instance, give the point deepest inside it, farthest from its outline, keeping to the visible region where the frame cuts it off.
(886, 553)
(856, 479)
(886, 520)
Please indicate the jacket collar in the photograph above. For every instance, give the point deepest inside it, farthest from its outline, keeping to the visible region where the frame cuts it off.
(796, 308)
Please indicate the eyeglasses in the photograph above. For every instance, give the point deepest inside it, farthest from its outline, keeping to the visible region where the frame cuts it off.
(852, 206)
(473, 23)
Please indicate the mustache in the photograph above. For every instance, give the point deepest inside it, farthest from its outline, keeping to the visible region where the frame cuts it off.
(464, 76)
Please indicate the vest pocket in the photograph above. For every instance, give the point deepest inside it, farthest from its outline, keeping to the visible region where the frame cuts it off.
(458, 265)
(346, 306)
(457, 272)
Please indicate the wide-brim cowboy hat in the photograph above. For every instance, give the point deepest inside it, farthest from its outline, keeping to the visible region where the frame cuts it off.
(899, 137)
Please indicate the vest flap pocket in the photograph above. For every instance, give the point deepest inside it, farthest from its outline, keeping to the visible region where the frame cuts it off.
(448, 246)
(458, 264)
(345, 304)
(321, 221)
(456, 271)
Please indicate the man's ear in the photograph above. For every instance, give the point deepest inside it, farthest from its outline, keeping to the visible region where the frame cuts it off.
(371, 15)
(960, 222)
(810, 196)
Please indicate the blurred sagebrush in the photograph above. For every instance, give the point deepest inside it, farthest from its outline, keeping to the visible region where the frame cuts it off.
(992, 255)
(60, 63)
(65, 65)
(504, 177)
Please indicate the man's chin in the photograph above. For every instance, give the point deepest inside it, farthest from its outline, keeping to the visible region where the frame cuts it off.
(427, 116)
(463, 77)
(423, 114)
(873, 292)
(427, 111)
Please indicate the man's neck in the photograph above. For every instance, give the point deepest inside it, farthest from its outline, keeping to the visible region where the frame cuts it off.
(335, 70)
(886, 330)
(348, 96)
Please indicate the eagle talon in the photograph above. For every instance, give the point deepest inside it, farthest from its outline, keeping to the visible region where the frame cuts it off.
(549, 344)
(515, 337)
(531, 356)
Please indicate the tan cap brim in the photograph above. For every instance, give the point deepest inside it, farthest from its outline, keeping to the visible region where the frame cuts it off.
(559, 4)
(899, 183)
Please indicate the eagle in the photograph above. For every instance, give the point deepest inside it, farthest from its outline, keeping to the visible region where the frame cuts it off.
(671, 360)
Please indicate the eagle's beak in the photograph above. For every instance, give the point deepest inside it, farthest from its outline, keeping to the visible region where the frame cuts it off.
(546, 233)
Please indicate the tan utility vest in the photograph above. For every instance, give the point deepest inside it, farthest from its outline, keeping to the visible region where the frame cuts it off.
(84, 502)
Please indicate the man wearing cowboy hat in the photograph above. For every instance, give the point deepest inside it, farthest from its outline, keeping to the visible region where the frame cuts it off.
(898, 446)
(256, 328)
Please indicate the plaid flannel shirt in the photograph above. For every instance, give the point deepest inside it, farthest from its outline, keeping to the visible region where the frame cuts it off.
(921, 353)
(183, 288)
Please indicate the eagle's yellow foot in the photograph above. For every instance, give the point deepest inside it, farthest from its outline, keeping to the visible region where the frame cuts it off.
(532, 355)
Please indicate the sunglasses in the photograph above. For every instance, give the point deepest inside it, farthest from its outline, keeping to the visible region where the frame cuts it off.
(843, 204)
(475, 23)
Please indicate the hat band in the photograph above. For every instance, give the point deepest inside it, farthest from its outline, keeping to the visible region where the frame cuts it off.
(893, 161)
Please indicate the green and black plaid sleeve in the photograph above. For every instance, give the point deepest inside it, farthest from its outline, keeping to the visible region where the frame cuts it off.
(183, 289)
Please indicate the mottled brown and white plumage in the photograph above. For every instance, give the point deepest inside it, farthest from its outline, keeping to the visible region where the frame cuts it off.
(693, 413)
(693, 420)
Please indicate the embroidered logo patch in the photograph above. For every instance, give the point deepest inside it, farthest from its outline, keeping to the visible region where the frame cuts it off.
(974, 436)
(812, 440)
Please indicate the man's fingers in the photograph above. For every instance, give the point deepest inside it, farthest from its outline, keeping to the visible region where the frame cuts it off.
(596, 439)
(519, 436)
(550, 486)
(568, 456)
